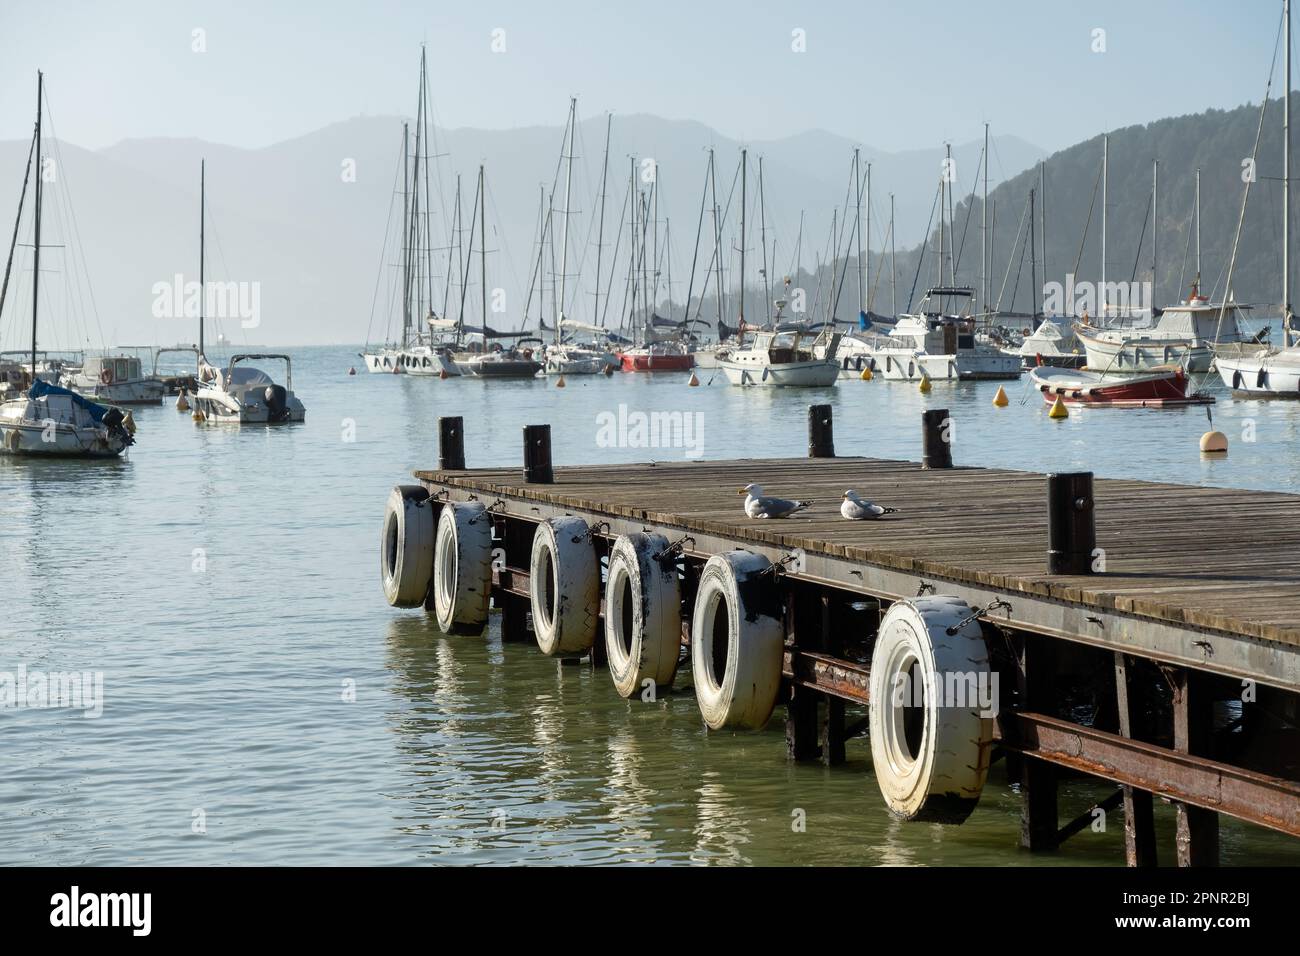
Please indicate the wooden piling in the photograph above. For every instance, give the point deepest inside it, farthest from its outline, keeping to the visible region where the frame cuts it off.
(801, 726)
(821, 432)
(936, 438)
(451, 443)
(1071, 523)
(1039, 822)
(537, 455)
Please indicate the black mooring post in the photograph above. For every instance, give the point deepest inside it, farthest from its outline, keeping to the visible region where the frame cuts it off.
(936, 439)
(821, 432)
(451, 443)
(1071, 530)
(537, 455)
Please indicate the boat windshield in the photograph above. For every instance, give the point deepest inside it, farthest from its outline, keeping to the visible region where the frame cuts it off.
(247, 375)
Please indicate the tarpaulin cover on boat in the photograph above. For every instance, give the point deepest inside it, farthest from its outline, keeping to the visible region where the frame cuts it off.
(40, 389)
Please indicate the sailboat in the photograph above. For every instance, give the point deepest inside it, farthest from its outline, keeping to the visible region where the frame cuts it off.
(238, 394)
(1265, 372)
(50, 421)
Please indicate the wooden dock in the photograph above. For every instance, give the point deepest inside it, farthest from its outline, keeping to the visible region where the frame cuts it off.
(1154, 608)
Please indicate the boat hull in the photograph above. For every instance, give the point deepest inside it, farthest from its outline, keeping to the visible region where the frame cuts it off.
(641, 362)
(384, 362)
(814, 374)
(140, 392)
(36, 429)
(1260, 376)
(1152, 390)
(1146, 354)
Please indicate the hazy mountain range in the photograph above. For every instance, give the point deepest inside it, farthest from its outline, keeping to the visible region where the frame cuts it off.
(287, 218)
(284, 216)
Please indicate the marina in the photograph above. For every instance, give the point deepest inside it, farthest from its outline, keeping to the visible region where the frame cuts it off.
(563, 470)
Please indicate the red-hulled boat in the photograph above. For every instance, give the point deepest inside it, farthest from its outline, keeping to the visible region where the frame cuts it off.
(1159, 388)
(658, 357)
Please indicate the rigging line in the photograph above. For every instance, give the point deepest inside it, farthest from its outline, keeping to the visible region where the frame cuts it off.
(505, 249)
(925, 242)
(1019, 269)
(875, 283)
(1087, 222)
(695, 256)
(837, 279)
(383, 250)
(80, 252)
(613, 260)
(13, 243)
(1187, 247)
(1014, 244)
(1245, 196)
(1137, 256)
(970, 207)
(542, 225)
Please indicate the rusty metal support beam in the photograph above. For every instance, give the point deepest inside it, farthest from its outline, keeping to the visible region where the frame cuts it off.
(1254, 797)
(838, 678)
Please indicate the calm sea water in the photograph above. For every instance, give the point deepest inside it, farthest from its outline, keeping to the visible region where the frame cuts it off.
(225, 583)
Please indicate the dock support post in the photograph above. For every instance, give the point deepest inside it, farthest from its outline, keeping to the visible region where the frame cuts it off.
(821, 432)
(1071, 523)
(833, 737)
(537, 455)
(514, 619)
(1197, 829)
(451, 443)
(1139, 818)
(801, 704)
(1039, 824)
(936, 438)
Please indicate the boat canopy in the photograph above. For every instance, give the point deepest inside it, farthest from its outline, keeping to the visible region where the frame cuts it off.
(42, 389)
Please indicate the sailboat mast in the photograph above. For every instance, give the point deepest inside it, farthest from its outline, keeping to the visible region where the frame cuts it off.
(482, 248)
(866, 280)
(36, 252)
(984, 230)
(857, 179)
(600, 233)
(203, 288)
(893, 261)
(1155, 228)
(762, 238)
(1198, 230)
(1033, 264)
(564, 238)
(1105, 168)
(1286, 189)
(1042, 214)
(717, 231)
(744, 163)
(406, 232)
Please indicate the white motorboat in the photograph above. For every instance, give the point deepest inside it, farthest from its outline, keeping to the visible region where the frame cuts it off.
(781, 360)
(941, 346)
(572, 359)
(856, 352)
(245, 395)
(1183, 334)
(117, 380)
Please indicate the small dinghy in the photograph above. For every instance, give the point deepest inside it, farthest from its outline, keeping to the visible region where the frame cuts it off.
(1159, 388)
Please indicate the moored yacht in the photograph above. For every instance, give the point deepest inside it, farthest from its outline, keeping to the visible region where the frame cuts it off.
(1183, 334)
(780, 359)
(939, 345)
(1052, 343)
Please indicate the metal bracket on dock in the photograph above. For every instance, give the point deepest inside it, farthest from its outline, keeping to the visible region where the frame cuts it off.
(595, 529)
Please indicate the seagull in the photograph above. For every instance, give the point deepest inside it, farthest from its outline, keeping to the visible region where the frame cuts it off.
(855, 509)
(759, 506)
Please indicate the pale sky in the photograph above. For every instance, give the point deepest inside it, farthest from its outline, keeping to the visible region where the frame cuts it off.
(895, 75)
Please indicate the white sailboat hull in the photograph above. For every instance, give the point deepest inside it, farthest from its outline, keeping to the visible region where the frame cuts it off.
(383, 362)
(1262, 375)
(54, 427)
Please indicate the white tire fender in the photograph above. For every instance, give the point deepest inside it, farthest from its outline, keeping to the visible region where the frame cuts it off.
(564, 584)
(736, 642)
(643, 606)
(462, 568)
(930, 722)
(406, 546)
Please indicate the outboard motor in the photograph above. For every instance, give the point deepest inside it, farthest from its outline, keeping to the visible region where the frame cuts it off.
(277, 405)
(113, 421)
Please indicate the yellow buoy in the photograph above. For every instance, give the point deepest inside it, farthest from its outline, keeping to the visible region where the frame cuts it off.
(1000, 400)
(128, 422)
(559, 382)
(1058, 409)
(693, 381)
(925, 385)
(1214, 443)
(182, 403)
(866, 375)
(198, 415)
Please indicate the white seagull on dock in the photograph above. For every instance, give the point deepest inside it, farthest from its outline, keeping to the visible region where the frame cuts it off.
(758, 505)
(855, 509)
